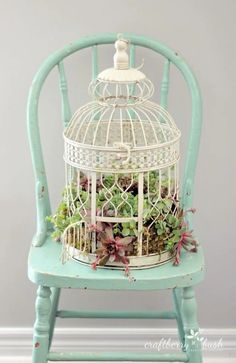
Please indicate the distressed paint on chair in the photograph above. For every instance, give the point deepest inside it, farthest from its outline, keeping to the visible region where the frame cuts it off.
(118, 357)
(55, 296)
(65, 105)
(116, 314)
(94, 62)
(48, 272)
(42, 326)
(189, 311)
(165, 84)
(177, 299)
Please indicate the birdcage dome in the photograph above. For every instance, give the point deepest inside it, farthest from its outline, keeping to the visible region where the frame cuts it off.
(121, 129)
(141, 136)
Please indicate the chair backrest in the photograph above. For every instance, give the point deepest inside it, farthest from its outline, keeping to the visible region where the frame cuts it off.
(56, 60)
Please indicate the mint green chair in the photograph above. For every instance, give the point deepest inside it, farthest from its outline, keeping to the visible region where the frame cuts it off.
(44, 266)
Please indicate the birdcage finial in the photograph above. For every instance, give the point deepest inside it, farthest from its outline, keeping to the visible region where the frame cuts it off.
(121, 58)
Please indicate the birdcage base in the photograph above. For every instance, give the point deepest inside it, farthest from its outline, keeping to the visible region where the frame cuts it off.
(135, 262)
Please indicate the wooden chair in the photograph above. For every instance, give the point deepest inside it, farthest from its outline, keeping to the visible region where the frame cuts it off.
(45, 268)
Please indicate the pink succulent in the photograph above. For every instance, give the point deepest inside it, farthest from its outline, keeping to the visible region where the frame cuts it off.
(187, 242)
(112, 249)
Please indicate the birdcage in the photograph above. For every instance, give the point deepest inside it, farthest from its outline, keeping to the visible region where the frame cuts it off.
(121, 166)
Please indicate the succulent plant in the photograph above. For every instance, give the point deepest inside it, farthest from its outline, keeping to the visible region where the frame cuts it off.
(111, 248)
(164, 226)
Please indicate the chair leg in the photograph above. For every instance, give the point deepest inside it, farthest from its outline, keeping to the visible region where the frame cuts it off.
(192, 338)
(41, 327)
(177, 299)
(54, 306)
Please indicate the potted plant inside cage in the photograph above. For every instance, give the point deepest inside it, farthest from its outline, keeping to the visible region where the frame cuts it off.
(164, 228)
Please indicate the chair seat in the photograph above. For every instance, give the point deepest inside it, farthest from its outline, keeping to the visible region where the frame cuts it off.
(45, 268)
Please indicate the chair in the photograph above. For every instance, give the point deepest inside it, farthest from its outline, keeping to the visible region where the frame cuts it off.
(44, 266)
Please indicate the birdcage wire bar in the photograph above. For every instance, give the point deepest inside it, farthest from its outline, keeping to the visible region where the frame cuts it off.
(122, 93)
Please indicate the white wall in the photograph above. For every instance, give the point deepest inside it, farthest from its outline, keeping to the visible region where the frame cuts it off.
(204, 32)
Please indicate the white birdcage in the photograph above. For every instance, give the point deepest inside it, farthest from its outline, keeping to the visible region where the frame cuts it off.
(121, 163)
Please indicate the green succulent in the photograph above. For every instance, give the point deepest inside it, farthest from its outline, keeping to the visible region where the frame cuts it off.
(129, 228)
(120, 193)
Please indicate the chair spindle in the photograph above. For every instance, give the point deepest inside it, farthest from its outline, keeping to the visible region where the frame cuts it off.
(165, 84)
(65, 105)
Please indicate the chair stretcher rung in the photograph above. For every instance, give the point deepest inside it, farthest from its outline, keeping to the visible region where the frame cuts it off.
(117, 314)
(117, 356)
